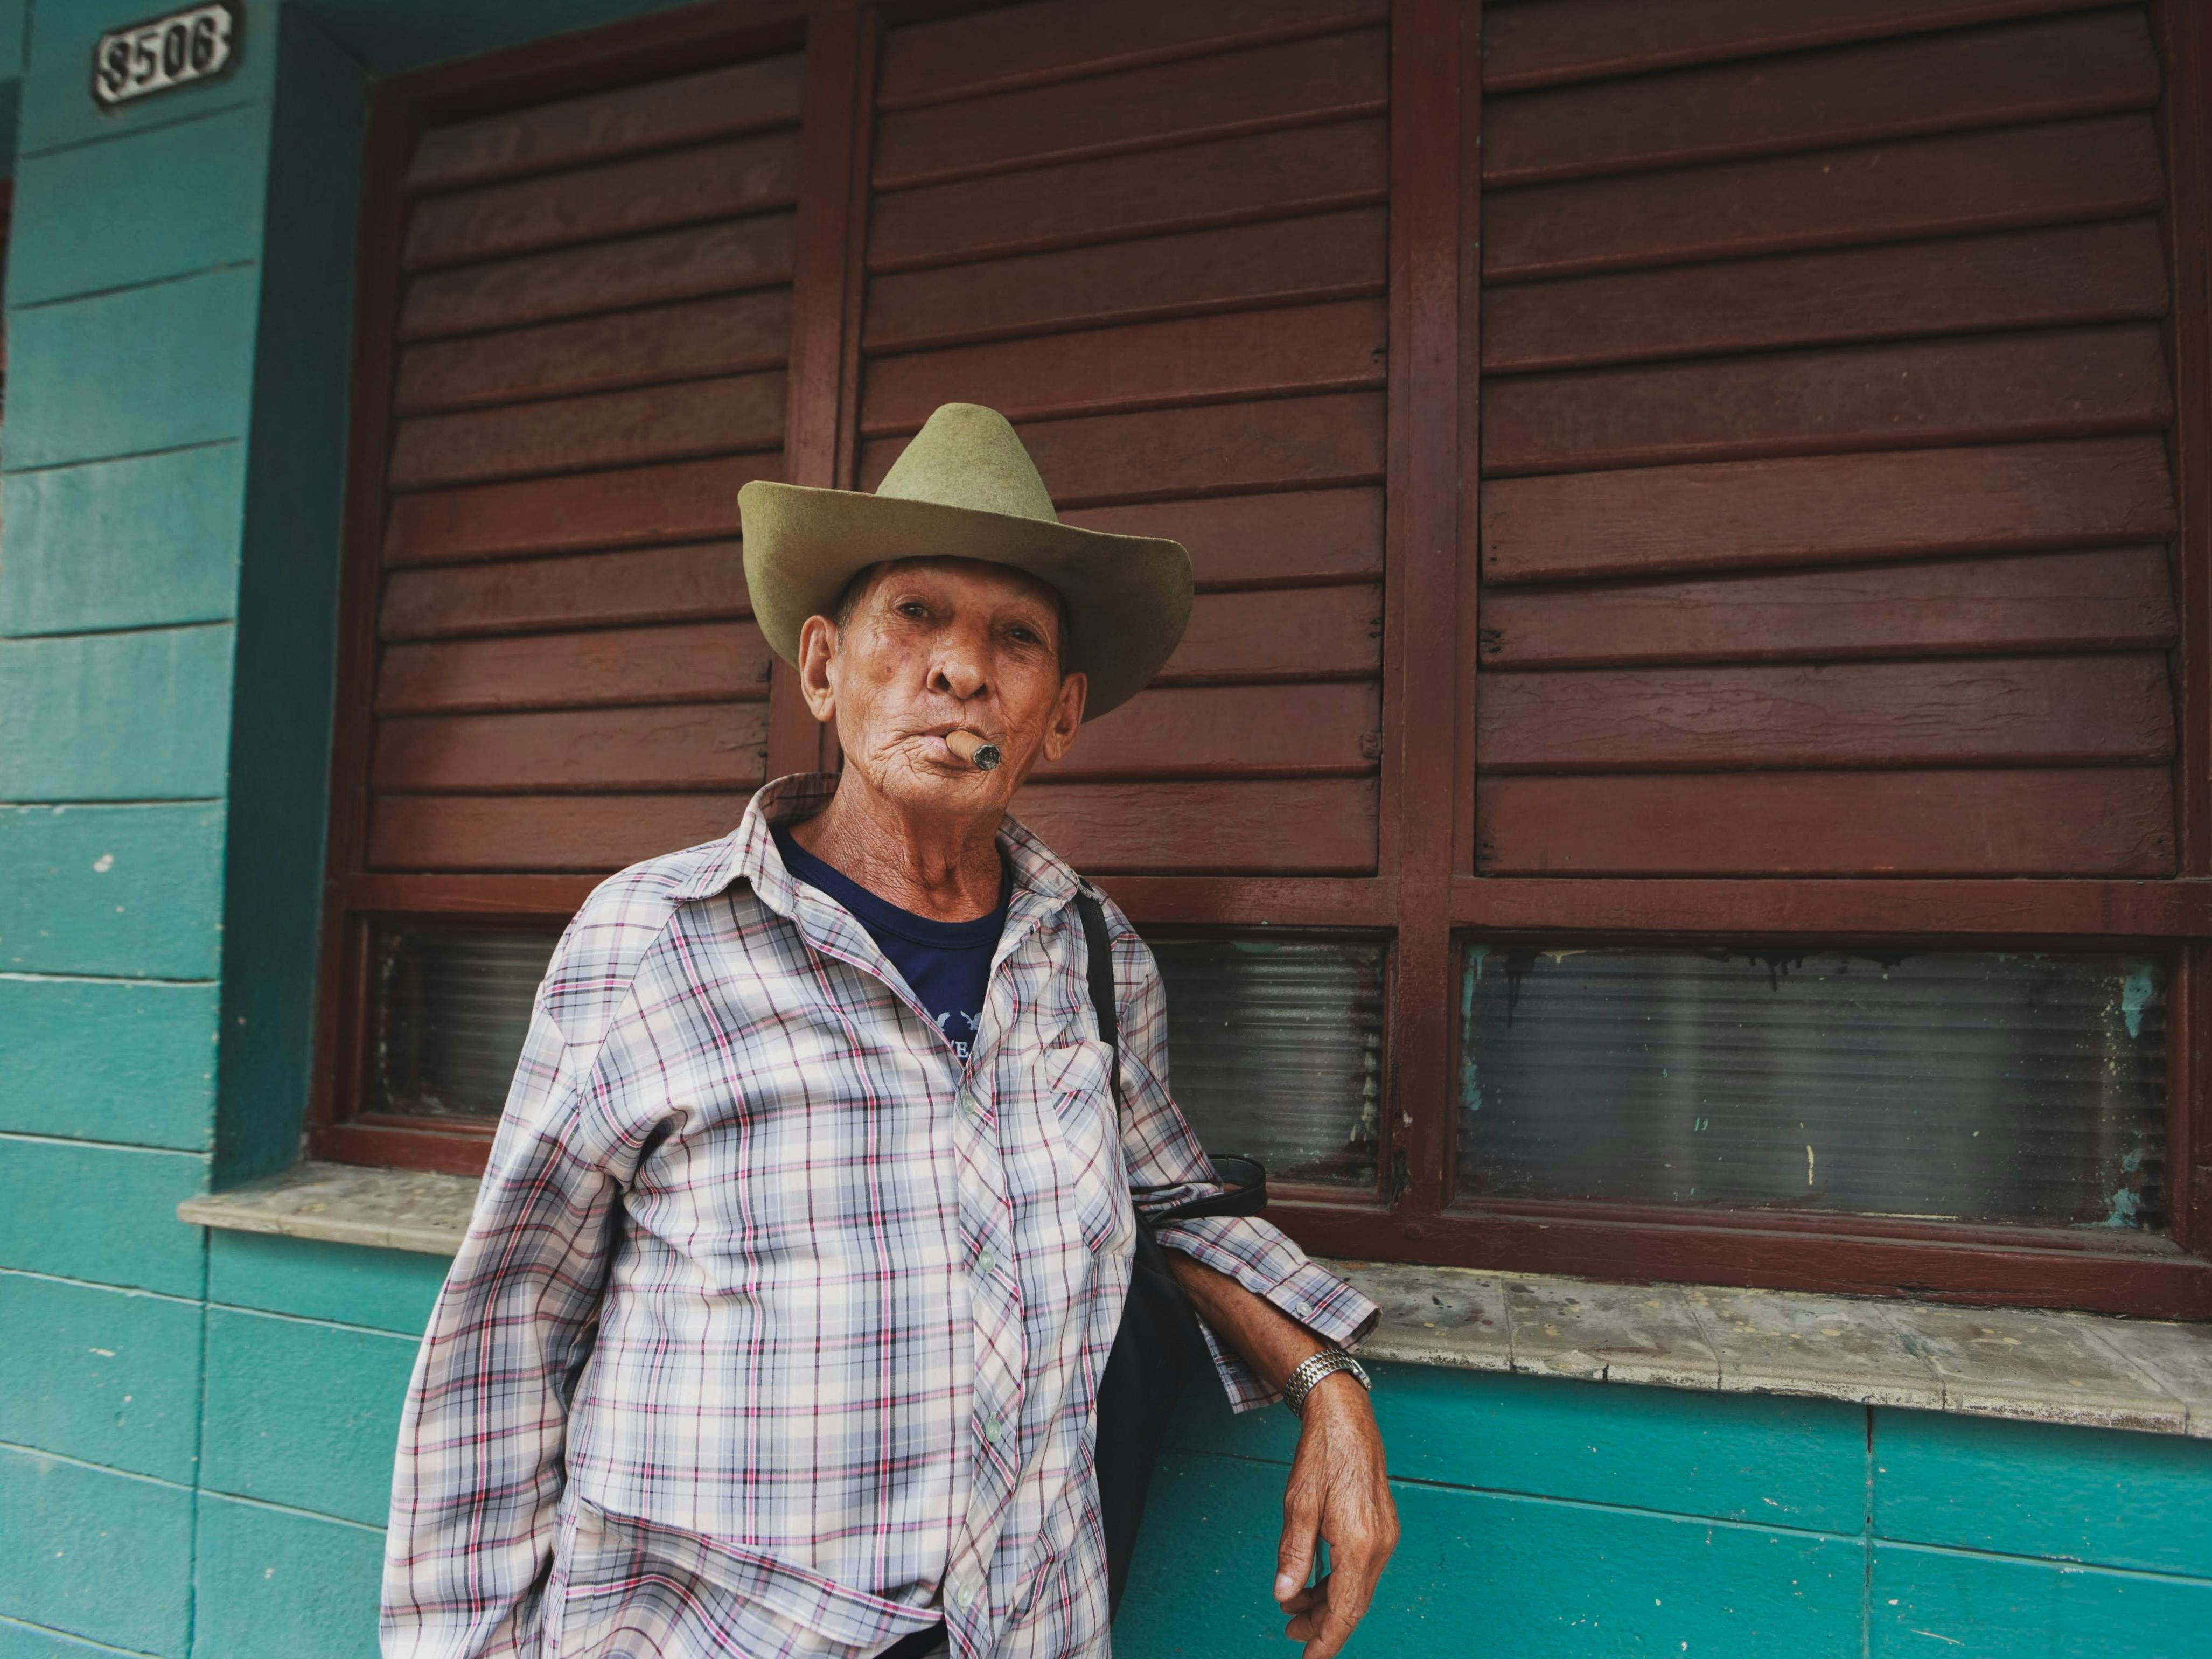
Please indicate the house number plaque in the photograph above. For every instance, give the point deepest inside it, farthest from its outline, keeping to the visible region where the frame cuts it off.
(196, 44)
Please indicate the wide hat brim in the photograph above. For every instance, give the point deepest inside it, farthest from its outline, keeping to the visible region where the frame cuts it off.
(1129, 597)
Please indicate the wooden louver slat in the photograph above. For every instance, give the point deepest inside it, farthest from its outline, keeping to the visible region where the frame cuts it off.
(1980, 711)
(2104, 821)
(1064, 40)
(652, 584)
(679, 265)
(1326, 256)
(1825, 509)
(1547, 44)
(714, 181)
(2107, 272)
(2034, 71)
(1334, 76)
(1269, 175)
(726, 334)
(1875, 192)
(2042, 602)
(1947, 390)
(1250, 354)
(598, 127)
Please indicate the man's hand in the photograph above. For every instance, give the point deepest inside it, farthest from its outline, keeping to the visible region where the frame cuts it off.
(1338, 1494)
(1337, 1491)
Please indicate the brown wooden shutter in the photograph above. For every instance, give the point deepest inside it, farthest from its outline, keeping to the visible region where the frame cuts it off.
(1825, 408)
(1170, 275)
(595, 324)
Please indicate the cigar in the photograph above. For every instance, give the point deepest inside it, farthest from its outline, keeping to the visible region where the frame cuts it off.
(967, 747)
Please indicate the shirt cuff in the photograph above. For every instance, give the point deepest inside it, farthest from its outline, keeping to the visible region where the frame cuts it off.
(1258, 1256)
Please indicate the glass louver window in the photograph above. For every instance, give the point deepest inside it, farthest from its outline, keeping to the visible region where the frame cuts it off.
(2015, 1087)
(453, 1007)
(1275, 1051)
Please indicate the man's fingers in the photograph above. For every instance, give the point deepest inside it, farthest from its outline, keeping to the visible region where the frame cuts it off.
(1323, 1627)
(1307, 1599)
(1294, 1556)
(1353, 1573)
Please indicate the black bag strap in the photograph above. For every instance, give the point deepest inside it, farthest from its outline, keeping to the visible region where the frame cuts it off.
(1098, 945)
(1244, 1181)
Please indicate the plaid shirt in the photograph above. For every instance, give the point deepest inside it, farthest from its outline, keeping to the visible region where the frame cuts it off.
(776, 1332)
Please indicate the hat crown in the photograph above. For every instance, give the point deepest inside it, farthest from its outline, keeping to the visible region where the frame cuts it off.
(968, 456)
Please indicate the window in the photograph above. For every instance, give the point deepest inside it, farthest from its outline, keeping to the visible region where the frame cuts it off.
(1689, 761)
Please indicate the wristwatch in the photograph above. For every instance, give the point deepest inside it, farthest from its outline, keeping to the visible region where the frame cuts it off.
(1309, 1371)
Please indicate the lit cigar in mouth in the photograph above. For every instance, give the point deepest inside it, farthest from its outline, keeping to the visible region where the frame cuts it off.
(966, 746)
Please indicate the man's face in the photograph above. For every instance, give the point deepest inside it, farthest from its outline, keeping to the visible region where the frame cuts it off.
(934, 645)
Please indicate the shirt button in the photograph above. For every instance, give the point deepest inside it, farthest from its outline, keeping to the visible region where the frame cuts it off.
(963, 1593)
(988, 1262)
(993, 1431)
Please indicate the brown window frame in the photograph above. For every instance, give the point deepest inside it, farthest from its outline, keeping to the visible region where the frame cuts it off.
(1425, 895)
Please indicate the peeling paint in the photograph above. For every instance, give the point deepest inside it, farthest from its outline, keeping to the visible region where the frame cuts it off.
(2135, 995)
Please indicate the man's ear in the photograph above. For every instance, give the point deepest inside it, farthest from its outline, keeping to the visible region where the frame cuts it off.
(817, 651)
(1066, 716)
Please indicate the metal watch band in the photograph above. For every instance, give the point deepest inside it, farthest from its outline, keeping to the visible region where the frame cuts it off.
(1300, 1382)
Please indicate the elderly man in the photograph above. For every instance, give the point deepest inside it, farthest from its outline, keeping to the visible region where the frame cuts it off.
(807, 1229)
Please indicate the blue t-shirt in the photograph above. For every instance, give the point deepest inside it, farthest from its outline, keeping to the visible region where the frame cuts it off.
(947, 964)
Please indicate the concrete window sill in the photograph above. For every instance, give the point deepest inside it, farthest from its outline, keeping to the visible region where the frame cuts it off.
(2088, 1370)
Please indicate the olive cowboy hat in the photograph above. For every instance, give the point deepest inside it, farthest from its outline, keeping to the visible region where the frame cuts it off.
(965, 488)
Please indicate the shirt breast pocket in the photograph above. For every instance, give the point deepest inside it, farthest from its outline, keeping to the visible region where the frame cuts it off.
(1086, 1148)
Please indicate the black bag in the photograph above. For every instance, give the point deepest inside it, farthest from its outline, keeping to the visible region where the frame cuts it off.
(1158, 1342)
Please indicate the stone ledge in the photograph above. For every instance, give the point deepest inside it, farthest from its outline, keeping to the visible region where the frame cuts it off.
(346, 1204)
(2087, 1369)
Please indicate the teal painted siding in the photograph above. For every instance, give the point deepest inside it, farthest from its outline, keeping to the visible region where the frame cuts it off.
(21, 1641)
(105, 1214)
(1798, 1463)
(1485, 1571)
(1927, 1603)
(388, 1290)
(121, 890)
(303, 1413)
(147, 229)
(2101, 1495)
(115, 716)
(131, 373)
(273, 1583)
(107, 1377)
(140, 543)
(63, 1072)
(95, 1553)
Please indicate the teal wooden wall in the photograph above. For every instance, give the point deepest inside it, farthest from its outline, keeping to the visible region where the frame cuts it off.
(178, 295)
(1543, 1519)
(196, 1428)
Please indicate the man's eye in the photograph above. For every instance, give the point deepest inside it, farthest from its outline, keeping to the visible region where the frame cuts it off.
(916, 608)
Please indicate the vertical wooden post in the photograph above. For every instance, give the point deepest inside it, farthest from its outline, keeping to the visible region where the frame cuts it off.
(832, 129)
(1421, 721)
(2186, 131)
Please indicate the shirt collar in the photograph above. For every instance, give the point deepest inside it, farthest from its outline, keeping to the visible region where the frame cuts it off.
(749, 852)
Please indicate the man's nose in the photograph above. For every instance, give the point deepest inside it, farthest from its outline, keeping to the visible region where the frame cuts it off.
(959, 670)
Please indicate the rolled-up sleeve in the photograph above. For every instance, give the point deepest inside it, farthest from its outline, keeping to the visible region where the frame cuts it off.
(1166, 1165)
(483, 1429)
